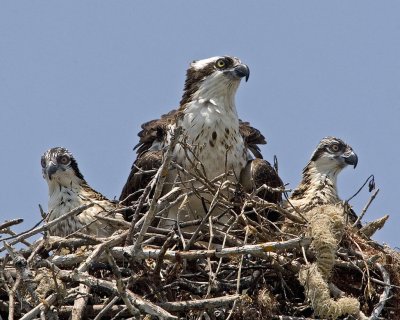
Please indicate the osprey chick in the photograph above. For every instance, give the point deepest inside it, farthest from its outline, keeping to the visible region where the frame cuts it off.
(69, 190)
(318, 186)
(218, 140)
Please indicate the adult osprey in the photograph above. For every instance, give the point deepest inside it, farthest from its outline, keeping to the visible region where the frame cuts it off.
(69, 190)
(318, 186)
(218, 140)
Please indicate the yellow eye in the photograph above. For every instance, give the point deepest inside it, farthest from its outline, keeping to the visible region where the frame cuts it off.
(220, 63)
(335, 148)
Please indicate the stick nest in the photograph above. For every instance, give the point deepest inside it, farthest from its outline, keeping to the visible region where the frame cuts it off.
(235, 265)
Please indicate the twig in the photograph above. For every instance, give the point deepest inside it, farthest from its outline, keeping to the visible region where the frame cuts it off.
(120, 253)
(161, 177)
(10, 223)
(11, 296)
(370, 228)
(35, 311)
(101, 249)
(80, 303)
(121, 286)
(270, 189)
(366, 207)
(212, 303)
(139, 207)
(25, 235)
(371, 180)
(384, 296)
(214, 202)
(24, 275)
(276, 317)
(97, 309)
(105, 309)
(160, 258)
(238, 277)
(368, 288)
(141, 304)
(53, 242)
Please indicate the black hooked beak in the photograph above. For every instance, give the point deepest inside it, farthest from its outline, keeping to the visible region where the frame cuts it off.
(350, 158)
(51, 169)
(241, 71)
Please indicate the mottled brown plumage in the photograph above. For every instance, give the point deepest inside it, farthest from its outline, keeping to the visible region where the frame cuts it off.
(68, 190)
(155, 131)
(208, 117)
(319, 183)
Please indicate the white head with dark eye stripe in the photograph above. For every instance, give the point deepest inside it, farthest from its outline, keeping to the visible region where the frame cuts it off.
(333, 154)
(213, 77)
(59, 166)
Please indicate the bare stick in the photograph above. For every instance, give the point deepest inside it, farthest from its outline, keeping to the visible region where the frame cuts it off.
(384, 296)
(139, 207)
(11, 296)
(120, 253)
(45, 227)
(80, 303)
(100, 249)
(121, 286)
(10, 223)
(204, 220)
(106, 309)
(370, 228)
(140, 303)
(238, 277)
(211, 303)
(366, 207)
(161, 177)
(35, 311)
(24, 275)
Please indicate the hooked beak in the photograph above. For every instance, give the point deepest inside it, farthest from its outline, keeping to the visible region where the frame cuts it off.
(51, 169)
(241, 71)
(350, 158)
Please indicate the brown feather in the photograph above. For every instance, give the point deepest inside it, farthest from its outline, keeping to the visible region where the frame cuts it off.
(156, 131)
(252, 138)
(148, 160)
(257, 173)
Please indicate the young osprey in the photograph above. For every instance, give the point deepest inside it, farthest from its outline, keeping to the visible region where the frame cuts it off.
(318, 186)
(69, 190)
(218, 139)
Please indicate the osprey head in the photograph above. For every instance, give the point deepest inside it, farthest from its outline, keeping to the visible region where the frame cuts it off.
(213, 77)
(333, 154)
(58, 164)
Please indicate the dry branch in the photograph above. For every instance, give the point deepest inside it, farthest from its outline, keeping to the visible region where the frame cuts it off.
(121, 253)
(202, 304)
(45, 227)
(7, 224)
(143, 305)
(239, 267)
(161, 177)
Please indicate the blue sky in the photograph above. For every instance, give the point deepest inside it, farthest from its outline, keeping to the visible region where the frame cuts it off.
(86, 74)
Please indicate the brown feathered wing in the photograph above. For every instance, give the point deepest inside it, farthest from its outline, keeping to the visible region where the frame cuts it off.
(259, 172)
(149, 160)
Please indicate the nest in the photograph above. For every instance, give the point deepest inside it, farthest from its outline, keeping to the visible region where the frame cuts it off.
(239, 267)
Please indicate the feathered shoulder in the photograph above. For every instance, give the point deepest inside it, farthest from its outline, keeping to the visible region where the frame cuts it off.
(252, 138)
(155, 130)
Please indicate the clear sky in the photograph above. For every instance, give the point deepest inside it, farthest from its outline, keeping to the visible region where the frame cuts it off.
(86, 74)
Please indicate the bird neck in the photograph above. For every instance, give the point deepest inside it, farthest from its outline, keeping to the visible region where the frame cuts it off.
(62, 191)
(219, 93)
(211, 126)
(318, 185)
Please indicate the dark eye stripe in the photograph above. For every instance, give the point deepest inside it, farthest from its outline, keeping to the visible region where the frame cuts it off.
(64, 159)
